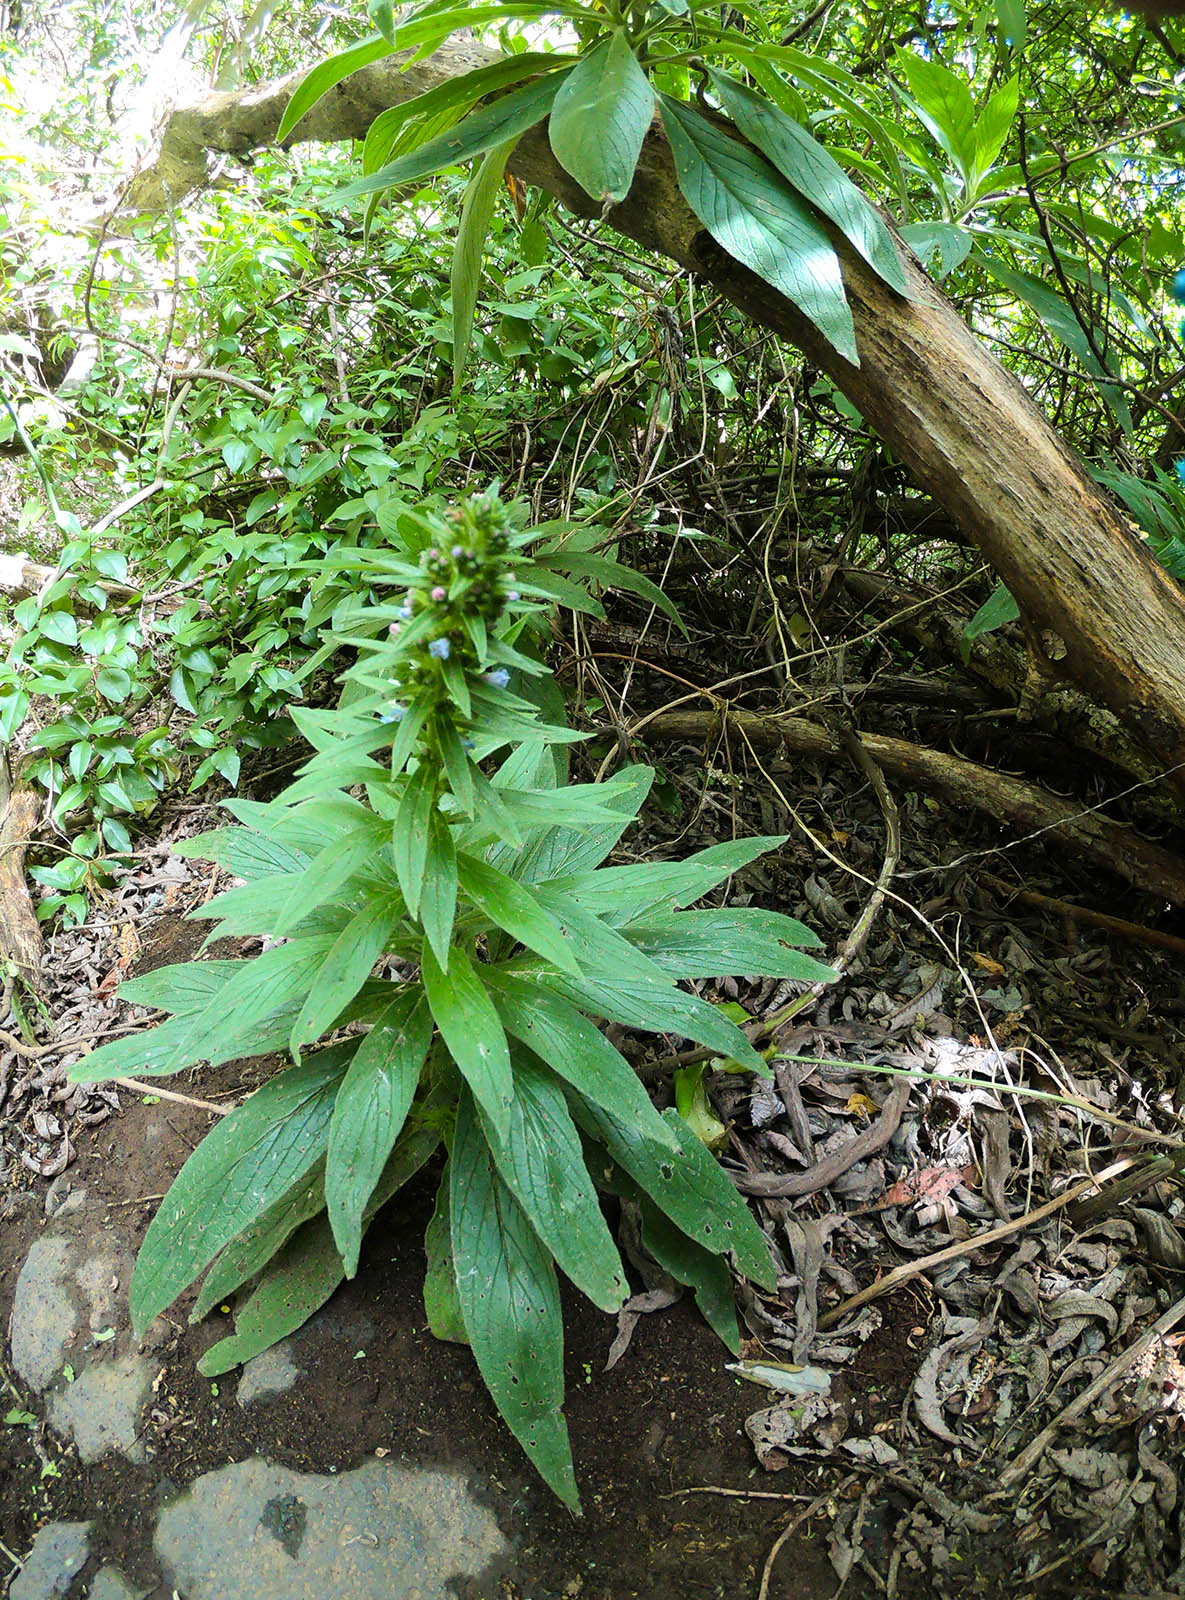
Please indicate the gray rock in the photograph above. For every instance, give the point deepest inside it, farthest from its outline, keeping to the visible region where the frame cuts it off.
(62, 1199)
(254, 1531)
(98, 1277)
(43, 1316)
(101, 1409)
(59, 1552)
(272, 1372)
(110, 1584)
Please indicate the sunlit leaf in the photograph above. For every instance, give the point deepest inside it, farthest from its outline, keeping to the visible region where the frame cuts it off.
(754, 214)
(600, 118)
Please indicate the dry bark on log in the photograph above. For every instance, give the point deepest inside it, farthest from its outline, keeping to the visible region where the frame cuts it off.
(20, 932)
(963, 783)
(971, 435)
(1062, 711)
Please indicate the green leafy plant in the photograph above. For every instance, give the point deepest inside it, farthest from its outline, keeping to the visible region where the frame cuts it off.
(440, 953)
(758, 180)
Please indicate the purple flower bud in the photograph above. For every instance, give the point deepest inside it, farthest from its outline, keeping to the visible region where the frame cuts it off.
(439, 593)
(440, 649)
(434, 554)
(499, 677)
(394, 629)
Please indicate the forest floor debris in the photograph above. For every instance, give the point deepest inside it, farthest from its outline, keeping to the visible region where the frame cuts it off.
(1005, 1396)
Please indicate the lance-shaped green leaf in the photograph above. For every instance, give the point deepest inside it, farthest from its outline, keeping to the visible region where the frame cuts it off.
(614, 576)
(1013, 22)
(457, 767)
(621, 895)
(438, 902)
(441, 1305)
(576, 1050)
(991, 130)
(687, 1262)
(506, 118)
(250, 1014)
(382, 14)
(305, 1272)
(939, 246)
(706, 1274)
(541, 1163)
(181, 989)
(346, 967)
(471, 1029)
(689, 1186)
(1059, 318)
(409, 836)
(245, 1163)
(327, 75)
(369, 1113)
(753, 213)
(245, 852)
(447, 100)
(819, 178)
(942, 102)
(510, 906)
(325, 875)
(600, 118)
(301, 1279)
(511, 1305)
(477, 208)
(997, 611)
(564, 850)
(729, 940)
(249, 1252)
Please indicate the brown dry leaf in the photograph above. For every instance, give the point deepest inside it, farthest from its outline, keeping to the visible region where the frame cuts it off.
(860, 1105)
(988, 964)
(129, 945)
(518, 194)
(931, 1184)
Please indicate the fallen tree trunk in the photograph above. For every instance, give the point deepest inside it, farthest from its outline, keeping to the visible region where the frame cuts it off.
(970, 434)
(1024, 806)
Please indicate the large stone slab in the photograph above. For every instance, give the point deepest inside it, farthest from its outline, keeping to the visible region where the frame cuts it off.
(69, 1335)
(101, 1409)
(256, 1531)
(44, 1315)
(59, 1552)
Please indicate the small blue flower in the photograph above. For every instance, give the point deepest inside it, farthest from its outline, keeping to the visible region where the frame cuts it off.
(405, 611)
(467, 744)
(439, 648)
(1178, 289)
(499, 677)
(396, 713)
(512, 594)
(458, 551)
